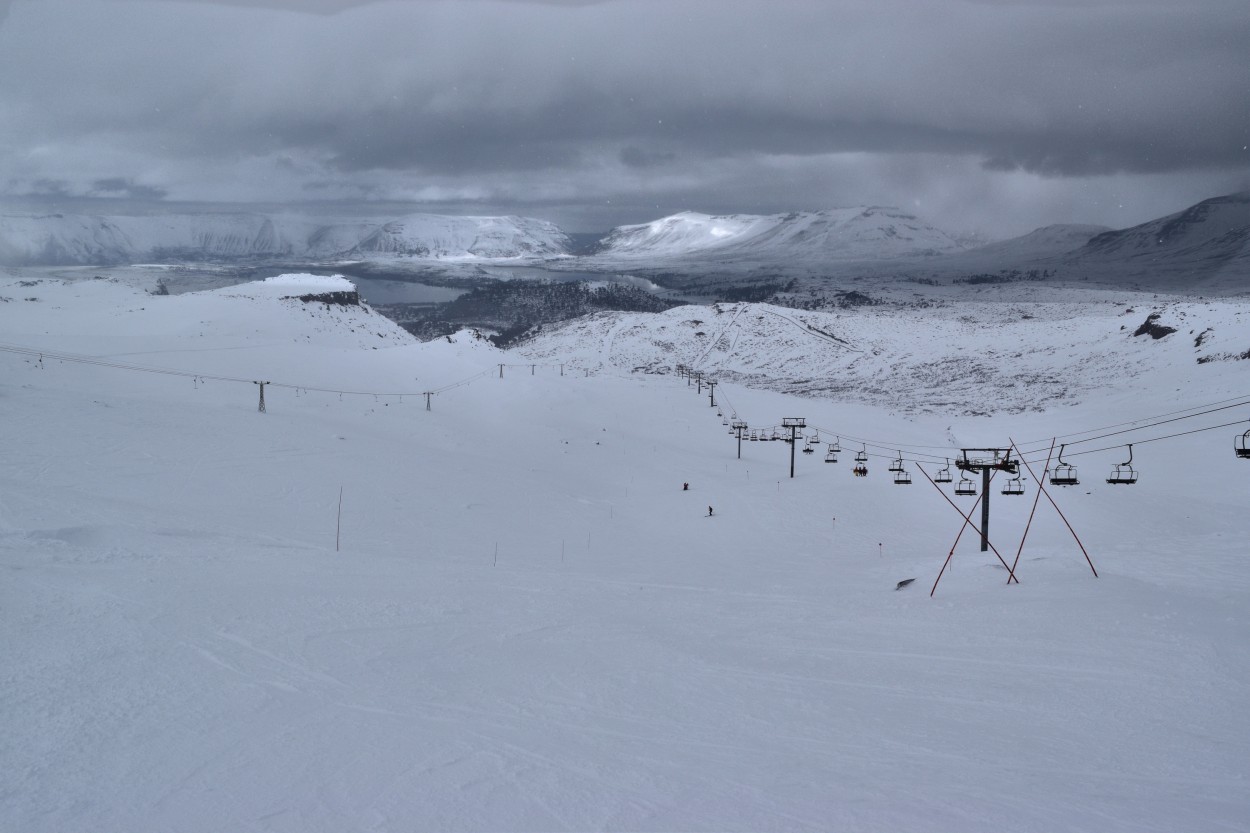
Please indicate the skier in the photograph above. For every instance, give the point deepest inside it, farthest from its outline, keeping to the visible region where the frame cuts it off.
(709, 511)
(685, 487)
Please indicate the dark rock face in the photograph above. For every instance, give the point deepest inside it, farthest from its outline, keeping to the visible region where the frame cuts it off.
(1151, 327)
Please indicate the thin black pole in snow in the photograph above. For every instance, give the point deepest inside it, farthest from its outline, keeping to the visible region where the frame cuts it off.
(794, 424)
(501, 371)
(338, 527)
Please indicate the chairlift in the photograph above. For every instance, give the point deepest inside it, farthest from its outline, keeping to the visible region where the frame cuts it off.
(860, 470)
(965, 486)
(831, 456)
(1241, 445)
(902, 477)
(1124, 473)
(944, 474)
(897, 465)
(754, 437)
(1063, 474)
(862, 455)
(1014, 486)
(836, 446)
(776, 435)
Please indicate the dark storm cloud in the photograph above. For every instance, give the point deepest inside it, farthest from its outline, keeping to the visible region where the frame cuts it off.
(640, 102)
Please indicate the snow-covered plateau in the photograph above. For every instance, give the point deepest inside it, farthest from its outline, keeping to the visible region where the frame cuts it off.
(81, 239)
(495, 607)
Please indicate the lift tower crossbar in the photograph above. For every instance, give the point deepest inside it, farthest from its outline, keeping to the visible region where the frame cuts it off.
(984, 461)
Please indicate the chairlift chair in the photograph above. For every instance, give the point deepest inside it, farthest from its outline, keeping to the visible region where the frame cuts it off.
(862, 455)
(965, 486)
(807, 447)
(831, 457)
(836, 445)
(1063, 474)
(1124, 473)
(1241, 445)
(754, 437)
(897, 465)
(944, 474)
(902, 477)
(1014, 486)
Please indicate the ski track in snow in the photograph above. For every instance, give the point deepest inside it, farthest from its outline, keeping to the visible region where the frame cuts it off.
(530, 626)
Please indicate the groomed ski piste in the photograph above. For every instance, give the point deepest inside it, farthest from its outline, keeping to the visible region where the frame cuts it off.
(504, 613)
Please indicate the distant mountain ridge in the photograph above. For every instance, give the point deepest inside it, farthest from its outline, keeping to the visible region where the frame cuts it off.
(83, 239)
(1216, 228)
(864, 232)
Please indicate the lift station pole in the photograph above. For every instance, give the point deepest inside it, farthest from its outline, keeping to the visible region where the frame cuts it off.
(739, 426)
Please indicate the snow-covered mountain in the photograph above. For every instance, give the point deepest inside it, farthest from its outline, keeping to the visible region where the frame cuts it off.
(1046, 241)
(863, 233)
(80, 239)
(435, 236)
(1206, 243)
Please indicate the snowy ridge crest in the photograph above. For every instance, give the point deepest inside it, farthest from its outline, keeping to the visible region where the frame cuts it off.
(82, 239)
(861, 233)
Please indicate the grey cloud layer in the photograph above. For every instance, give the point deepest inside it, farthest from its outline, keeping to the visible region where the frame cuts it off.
(613, 97)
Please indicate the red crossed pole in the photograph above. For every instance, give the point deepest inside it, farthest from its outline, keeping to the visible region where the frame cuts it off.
(1011, 573)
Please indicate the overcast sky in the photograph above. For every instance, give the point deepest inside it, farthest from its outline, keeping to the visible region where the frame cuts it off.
(995, 116)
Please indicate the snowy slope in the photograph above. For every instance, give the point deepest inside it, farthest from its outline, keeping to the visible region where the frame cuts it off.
(863, 233)
(956, 357)
(430, 235)
(1206, 245)
(1047, 241)
(528, 625)
(67, 239)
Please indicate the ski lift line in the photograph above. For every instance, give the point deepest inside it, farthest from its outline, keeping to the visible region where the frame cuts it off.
(1152, 439)
(1198, 410)
(1156, 424)
(95, 361)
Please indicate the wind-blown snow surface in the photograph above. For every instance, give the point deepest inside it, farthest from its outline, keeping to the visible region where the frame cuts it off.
(67, 239)
(1008, 349)
(863, 233)
(530, 626)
